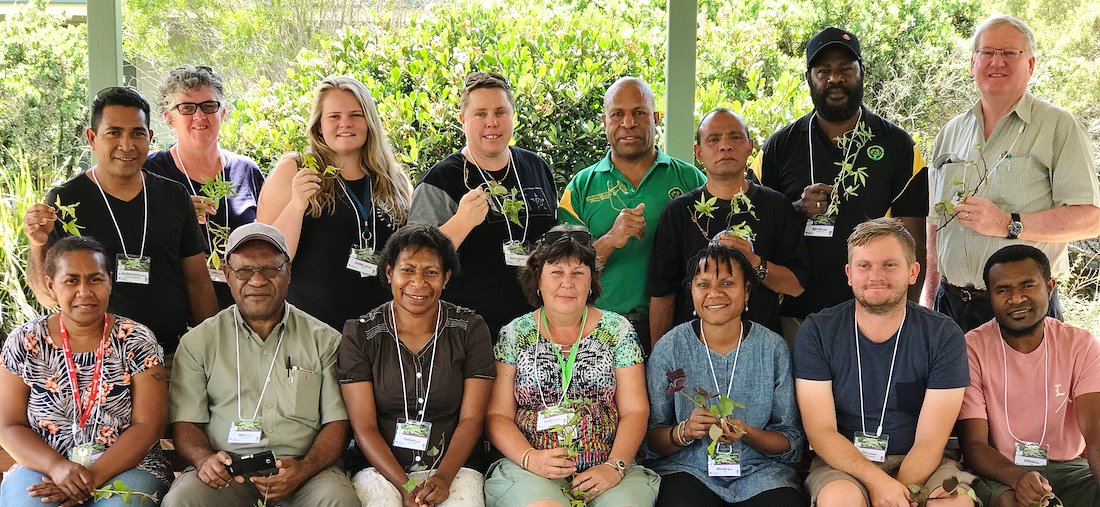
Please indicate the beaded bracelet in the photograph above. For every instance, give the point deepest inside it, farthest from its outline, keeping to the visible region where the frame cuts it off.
(682, 433)
(526, 458)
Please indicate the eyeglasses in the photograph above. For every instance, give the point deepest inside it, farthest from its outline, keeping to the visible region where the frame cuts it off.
(579, 236)
(1006, 53)
(268, 272)
(189, 108)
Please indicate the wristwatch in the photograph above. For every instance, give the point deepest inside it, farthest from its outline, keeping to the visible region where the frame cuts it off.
(762, 269)
(620, 465)
(1015, 227)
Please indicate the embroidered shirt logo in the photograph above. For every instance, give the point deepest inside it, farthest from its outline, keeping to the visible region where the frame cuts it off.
(876, 152)
(675, 192)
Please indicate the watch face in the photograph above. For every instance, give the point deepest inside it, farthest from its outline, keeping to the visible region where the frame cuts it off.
(1015, 228)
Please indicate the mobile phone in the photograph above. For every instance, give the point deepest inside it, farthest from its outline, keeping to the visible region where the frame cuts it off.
(251, 464)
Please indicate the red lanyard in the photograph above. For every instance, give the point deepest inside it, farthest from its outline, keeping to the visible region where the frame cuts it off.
(93, 388)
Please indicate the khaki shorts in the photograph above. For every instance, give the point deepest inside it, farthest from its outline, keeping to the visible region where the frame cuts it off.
(821, 474)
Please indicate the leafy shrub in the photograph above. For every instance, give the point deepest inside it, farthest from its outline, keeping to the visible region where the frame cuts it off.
(24, 183)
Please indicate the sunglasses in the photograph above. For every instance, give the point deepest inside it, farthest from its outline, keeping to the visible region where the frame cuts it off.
(189, 108)
(111, 90)
(268, 272)
(583, 237)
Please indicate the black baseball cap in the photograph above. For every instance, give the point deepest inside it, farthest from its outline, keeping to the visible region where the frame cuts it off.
(829, 37)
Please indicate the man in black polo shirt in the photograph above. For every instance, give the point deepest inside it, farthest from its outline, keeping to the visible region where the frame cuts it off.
(726, 203)
(883, 171)
(147, 224)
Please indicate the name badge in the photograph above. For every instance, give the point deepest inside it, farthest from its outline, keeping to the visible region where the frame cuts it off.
(85, 455)
(364, 261)
(872, 447)
(132, 269)
(245, 432)
(1031, 454)
(556, 415)
(815, 230)
(217, 275)
(412, 434)
(515, 253)
(724, 463)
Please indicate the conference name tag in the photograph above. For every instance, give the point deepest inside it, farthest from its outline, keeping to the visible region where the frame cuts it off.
(132, 269)
(818, 230)
(245, 432)
(412, 434)
(724, 463)
(872, 447)
(1031, 454)
(553, 416)
(364, 261)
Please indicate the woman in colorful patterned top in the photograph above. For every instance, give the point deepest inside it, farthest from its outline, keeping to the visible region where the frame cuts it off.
(569, 407)
(86, 394)
(720, 352)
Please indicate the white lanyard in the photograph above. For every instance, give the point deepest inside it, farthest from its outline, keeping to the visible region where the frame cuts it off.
(522, 196)
(740, 342)
(237, 333)
(359, 219)
(810, 141)
(145, 220)
(431, 365)
(221, 159)
(889, 379)
(1046, 386)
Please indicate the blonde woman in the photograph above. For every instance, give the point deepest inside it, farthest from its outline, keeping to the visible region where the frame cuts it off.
(337, 203)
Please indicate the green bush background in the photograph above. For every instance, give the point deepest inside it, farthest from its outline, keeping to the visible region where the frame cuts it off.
(559, 56)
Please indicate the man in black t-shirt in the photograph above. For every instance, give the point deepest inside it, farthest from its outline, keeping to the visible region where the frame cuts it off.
(726, 209)
(884, 174)
(146, 223)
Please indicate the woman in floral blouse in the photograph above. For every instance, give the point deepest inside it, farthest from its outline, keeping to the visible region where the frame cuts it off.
(86, 396)
(569, 407)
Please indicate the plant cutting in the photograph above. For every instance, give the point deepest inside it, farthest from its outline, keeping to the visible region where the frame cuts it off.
(502, 199)
(570, 441)
(950, 487)
(739, 204)
(850, 178)
(722, 407)
(946, 206)
(121, 490)
(311, 163)
(434, 452)
(216, 189)
(69, 212)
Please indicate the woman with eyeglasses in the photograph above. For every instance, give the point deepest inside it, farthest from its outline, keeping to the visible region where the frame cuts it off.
(416, 375)
(337, 203)
(192, 101)
(493, 200)
(568, 408)
(84, 394)
(728, 357)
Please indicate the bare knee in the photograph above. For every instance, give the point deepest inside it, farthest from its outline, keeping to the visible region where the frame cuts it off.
(957, 501)
(841, 493)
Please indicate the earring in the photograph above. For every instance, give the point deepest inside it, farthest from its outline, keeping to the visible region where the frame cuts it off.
(538, 292)
(589, 292)
(746, 306)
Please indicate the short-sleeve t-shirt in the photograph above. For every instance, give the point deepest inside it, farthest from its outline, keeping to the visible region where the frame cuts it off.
(173, 234)
(35, 356)
(1071, 358)
(369, 352)
(778, 229)
(612, 344)
(233, 211)
(594, 198)
(896, 185)
(485, 282)
(931, 354)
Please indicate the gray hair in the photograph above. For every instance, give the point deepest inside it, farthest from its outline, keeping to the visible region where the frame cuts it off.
(188, 77)
(647, 92)
(999, 20)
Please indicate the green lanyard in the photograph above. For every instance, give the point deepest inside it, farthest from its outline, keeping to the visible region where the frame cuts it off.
(566, 364)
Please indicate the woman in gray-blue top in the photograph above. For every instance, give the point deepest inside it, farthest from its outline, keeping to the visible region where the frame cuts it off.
(720, 354)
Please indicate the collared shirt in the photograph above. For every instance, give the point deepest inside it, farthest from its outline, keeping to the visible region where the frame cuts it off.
(1038, 157)
(296, 403)
(896, 185)
(594, 198)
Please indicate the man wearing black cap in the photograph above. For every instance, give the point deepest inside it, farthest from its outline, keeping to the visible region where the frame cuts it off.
(841, 165)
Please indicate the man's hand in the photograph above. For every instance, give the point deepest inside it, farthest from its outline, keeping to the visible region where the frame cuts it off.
(38, 223)
(473, 207)
(1032, 488)
(983, 217)
(740, 244)
(283, 484)
(815, 199)
(212, 471)
(630, 223)
(889, 492)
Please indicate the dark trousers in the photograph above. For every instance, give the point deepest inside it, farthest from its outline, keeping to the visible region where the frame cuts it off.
(640, 321)
(682, 489)
(975, 312)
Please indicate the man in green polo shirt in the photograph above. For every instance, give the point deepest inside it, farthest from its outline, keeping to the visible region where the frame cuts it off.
(259, 376)
(621, 197)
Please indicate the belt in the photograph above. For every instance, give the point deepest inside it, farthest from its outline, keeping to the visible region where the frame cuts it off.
(966, 294)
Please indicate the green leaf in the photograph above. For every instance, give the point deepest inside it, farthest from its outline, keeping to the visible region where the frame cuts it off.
(714, 432)
(409, 486)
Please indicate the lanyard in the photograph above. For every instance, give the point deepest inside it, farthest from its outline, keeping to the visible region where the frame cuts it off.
(523, 196)
(565, 363)
(740, 341)
(810, 142)
(431, 365)
(889, 379)
(237, 334)
(1046, 386)
(1004, 156)
(145, 220)
(83, 412)
(221, 158)
(361, 209)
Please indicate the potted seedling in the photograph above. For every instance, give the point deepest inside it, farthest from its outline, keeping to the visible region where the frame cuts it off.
(738, 205)
(850, 178)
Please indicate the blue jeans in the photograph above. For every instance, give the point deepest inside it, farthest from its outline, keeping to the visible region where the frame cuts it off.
(13, 491)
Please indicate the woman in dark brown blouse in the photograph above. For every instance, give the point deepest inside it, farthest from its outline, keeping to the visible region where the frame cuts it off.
(416, 374)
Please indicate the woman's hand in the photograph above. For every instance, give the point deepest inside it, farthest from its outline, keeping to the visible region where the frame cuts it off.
(551, 463)
(203, 206)
(698, 424)
(473, 207)
(408, 498)
(51, 493)
(305, 184)
(596, 480)
(732, 430)
(434, 490)
(74, 480)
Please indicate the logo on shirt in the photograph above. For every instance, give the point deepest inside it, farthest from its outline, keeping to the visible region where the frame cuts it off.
(675, 192)
(1058, 391)
(876, 152)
